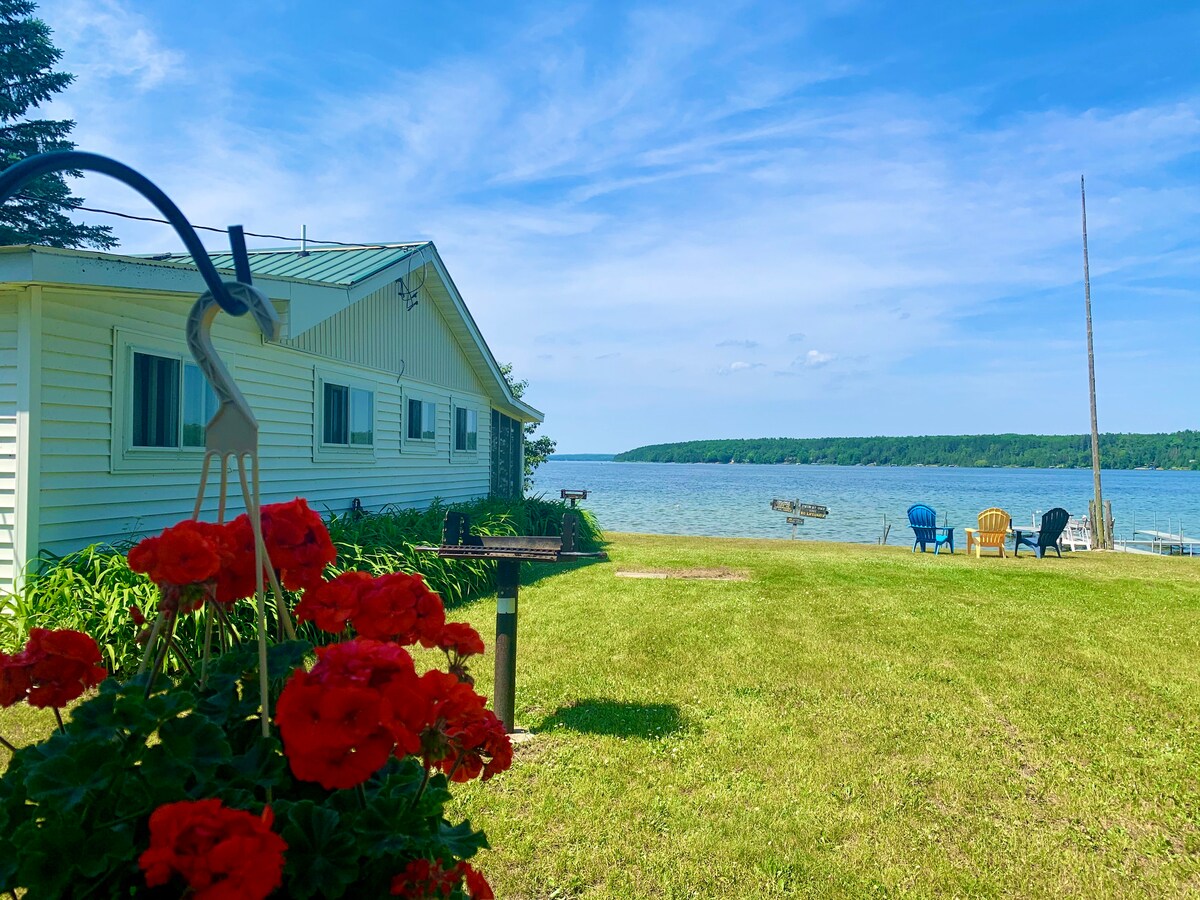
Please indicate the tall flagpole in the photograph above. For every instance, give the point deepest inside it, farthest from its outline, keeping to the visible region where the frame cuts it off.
(1100, 539)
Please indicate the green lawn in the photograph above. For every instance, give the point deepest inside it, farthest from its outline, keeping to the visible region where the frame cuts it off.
(848, 721)
(851, 721)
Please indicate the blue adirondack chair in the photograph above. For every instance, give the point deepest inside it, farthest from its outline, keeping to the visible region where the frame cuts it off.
(923, 521)
(1053, 523)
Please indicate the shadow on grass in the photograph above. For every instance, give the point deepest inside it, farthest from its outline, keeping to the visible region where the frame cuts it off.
(618, 718)
(533, 572)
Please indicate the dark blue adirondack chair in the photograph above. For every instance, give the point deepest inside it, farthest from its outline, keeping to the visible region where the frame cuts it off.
(923, 521)
(1053, 523)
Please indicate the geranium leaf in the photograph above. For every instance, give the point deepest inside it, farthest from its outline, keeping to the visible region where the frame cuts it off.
(263, 764)
(461, 840)
(283, 659)
(198, 741)
(8, 866)
(71, 774)
(388, 828)
(321, 857)
(109, 848)
(44, 869)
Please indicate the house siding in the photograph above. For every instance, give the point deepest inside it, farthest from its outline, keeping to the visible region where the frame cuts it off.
(381, 332)
(89, 495)
(8, 436)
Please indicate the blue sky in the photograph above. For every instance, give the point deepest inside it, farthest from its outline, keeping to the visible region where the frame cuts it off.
(710, 220)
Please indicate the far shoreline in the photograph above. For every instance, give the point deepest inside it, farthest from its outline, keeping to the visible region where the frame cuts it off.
(601, 457)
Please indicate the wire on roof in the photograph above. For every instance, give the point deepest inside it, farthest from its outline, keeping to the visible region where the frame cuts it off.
(274, 237)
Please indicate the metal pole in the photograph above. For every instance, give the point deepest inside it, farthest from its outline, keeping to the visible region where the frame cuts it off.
(1098, 527)
(508, 579)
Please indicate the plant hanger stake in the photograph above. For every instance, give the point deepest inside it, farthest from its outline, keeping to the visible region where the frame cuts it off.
(232, 433)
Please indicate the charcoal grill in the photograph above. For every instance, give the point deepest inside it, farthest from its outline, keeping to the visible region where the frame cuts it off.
(509, 551)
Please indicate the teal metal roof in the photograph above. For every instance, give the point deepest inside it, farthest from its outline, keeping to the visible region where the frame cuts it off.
(331, 265)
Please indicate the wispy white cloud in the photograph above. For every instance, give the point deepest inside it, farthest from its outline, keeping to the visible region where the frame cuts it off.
(671, 192)
(106, 39)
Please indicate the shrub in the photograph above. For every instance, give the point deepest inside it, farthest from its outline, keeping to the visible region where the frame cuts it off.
(93, 590)
(181, 784)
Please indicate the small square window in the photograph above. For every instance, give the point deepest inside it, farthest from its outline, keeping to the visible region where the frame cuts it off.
(466, 429)
(348, 416)
(422, 420)
(172, 402)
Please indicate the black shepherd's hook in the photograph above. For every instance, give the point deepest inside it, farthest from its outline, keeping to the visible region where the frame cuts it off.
(15, 177)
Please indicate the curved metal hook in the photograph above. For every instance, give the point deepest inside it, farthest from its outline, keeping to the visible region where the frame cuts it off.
(15, 176)
(233, 429)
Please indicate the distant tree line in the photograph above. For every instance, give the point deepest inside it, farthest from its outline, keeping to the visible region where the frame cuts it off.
(1179, 450)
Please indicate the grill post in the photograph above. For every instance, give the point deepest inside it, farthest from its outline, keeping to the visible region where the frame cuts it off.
(508, 578)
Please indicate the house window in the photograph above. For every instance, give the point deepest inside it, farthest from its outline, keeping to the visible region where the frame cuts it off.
(466, 429)
(348, 416)
(172, 402)
(422, 420)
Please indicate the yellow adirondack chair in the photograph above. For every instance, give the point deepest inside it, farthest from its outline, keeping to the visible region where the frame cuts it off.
(992, 531)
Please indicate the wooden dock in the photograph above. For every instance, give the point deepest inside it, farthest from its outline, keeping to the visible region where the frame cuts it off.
(1149, 540)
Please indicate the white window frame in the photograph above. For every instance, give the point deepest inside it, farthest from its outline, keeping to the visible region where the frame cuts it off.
(124, 456)
(420, 445)
(345, 453)
(469, 411)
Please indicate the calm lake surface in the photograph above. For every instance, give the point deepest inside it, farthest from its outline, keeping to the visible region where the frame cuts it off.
(734, 500)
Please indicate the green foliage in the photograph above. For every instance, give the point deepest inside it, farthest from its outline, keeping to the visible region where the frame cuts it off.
(537, 450)
(74, 810)
(28, 79)
(92, 590)
(1178, 450)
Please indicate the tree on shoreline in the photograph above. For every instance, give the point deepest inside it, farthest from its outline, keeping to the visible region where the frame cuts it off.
(36, 215)
(1179, 450)
(537, 450)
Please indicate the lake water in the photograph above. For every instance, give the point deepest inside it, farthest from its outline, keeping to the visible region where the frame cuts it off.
(734, 500)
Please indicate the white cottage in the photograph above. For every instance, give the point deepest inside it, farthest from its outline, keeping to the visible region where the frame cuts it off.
(381, 389)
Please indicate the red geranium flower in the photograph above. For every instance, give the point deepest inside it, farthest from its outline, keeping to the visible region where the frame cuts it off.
(222, 853)
(338, 722)
(297, 542)
(461, 731)
(185, 553)
(477, 886)
(400, 607)
(460, 641)
(61, 665)
(363, 662)
(422, 880)
(331, 603)
(14, 678)
(332, 735)
(235, 548)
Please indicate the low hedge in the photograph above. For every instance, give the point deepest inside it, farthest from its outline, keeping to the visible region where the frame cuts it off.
(92, 590)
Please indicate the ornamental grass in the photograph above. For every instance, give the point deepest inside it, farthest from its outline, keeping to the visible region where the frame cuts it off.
(95, 591)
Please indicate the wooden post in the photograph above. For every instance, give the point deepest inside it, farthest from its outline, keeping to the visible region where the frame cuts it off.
(1099, 532)
(508, 579)
(1108, 524)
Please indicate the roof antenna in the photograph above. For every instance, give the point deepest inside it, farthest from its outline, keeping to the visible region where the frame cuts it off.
(304, 240)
